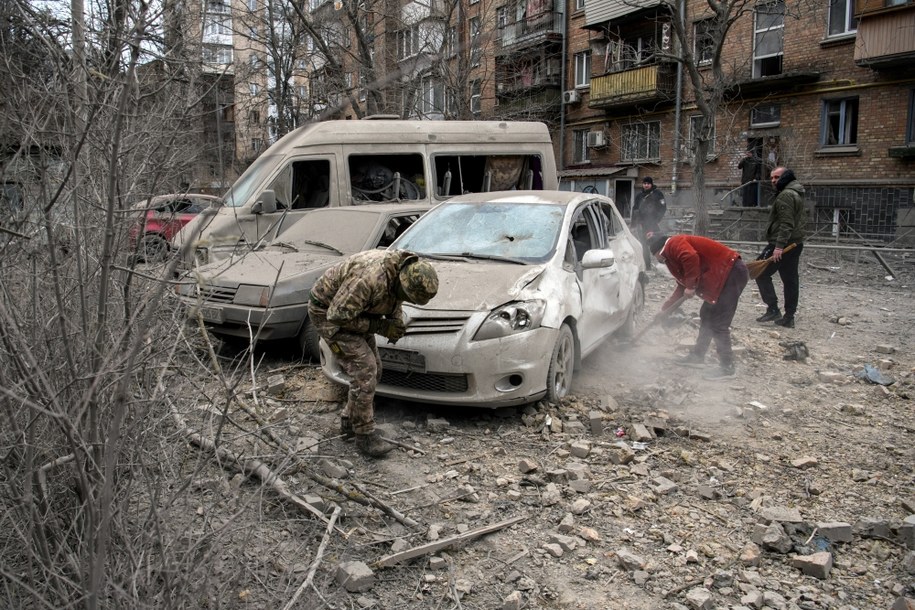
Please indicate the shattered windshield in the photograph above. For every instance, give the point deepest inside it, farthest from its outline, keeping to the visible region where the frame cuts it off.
(244, 187)
(510, 230)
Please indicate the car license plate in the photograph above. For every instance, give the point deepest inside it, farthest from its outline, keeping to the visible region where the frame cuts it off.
(210, 314)
(402, 360)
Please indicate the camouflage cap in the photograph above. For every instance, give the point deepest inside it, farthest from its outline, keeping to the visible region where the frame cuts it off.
(419, 282)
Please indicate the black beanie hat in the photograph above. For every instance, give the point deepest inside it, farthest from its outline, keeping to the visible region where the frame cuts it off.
(656, 242)
(647, 180)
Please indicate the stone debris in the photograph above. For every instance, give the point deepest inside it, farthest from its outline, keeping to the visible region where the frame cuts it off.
(512, 601)
(355, 576)
(817, 565)
(629, 561)
(835, 531)
(803, 463)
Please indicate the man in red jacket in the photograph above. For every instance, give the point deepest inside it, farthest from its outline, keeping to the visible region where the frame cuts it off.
(715, 273)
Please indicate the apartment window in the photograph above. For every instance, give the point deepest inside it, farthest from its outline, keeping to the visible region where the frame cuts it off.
(215, 7)
(696, 123)
(641, 142)
(840, 122)
(580, 152)
(301, 91)
(451, 42)
(255, 116)
(768, 39)
(475, 97)
(501, 22)
(257, 144)
(704, 41)
(408, 42)
(475, 48)
(253, 88)
(583, 69)
(579, 5)
(252, 5)
(253, 60)
(766, 115)
(842, 17)
(433, 96)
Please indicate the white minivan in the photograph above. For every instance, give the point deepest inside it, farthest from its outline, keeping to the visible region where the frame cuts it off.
(335, 163)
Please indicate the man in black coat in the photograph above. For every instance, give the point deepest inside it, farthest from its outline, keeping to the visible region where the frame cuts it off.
(647, 211)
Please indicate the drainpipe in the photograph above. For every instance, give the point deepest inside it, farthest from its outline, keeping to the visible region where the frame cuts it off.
(562, 84)
(673, 178)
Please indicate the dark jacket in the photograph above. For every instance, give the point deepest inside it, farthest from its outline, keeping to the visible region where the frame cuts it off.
(787, 216)
(698, 263)
(648, 209)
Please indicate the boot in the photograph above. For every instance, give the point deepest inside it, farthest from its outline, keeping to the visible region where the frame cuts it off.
(772, 313)
(372, 445)
(692, 360)
(786, 320)
(346, 427)
(725, 371)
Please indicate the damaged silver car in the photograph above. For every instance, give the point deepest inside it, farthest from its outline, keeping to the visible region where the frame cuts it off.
(262, 295)
(530, 282)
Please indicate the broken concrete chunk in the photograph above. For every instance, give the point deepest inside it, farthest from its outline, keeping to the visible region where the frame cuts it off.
(817, 565)
(355, 576)
(872, 527)
(629, 561)
(835, 531)
(527, 465)
(620, 453)
(664, 486)
(580, 449)
(903, 603)
(783, 514)
(568, 543)
(803, 463)
(699, 598)
(437, 424)
(580, 507)
(640, 433)
(512, 601)
(832, 377)
(553, 549)
(750, 554)
(885, 349)
(775, 538)
(596, 421)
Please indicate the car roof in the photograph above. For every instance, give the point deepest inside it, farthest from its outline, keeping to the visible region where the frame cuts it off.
(375, 208)
(527, 197)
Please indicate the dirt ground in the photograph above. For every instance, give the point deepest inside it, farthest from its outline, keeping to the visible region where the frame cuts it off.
(648, 488)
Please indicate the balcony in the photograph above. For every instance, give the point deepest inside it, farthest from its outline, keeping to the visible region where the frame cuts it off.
(533, 30)
(886, 39)
(512, 87)
(646, 84)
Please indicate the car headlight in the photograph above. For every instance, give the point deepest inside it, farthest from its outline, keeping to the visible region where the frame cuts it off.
(511, 318)
(256, 296)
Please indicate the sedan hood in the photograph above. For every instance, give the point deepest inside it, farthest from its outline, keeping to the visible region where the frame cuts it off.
(263, 267)
(480, 285)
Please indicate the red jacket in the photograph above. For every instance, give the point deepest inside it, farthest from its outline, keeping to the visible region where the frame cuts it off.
(697, 262)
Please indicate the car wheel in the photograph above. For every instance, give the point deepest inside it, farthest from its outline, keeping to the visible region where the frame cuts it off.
(562, 365)
(153, 248)
(308, 341)
(627, 330)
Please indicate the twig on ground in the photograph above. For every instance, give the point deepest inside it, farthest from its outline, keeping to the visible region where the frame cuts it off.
(317, 561)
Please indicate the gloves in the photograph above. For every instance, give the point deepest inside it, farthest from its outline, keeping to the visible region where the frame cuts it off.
(389, 329)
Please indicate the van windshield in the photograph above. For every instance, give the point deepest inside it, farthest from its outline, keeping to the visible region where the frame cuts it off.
(240, 192)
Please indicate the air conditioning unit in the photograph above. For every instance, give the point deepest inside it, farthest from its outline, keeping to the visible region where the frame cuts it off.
(596, 139)
(571, 96)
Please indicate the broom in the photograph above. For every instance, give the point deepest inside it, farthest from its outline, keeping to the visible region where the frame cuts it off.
(757, 267)
(661, 315)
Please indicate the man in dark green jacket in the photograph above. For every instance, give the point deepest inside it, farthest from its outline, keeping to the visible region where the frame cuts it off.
(787, 225)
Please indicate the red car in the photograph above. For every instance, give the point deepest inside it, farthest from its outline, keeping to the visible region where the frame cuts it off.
(161, 218)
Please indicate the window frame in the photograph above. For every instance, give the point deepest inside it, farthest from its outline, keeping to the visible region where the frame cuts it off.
(580, 151)
(703, 41)
(847, 112)
(763, 124)
(760, 33)
(476, 96)
(713, 146)
(849, 21)
(582, 72)
(649, 142)
(475, 31)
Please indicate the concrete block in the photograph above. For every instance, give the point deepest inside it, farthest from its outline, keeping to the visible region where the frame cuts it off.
(355, 576)
(903, 603)
(596, 421)
(580, 449)
(835, 531)
(640, 433)
(817, 565)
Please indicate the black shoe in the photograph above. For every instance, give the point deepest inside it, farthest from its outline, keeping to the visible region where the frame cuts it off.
(771, 314)
(786, 321)
(346, 428)
(691, 361)
(724, 372)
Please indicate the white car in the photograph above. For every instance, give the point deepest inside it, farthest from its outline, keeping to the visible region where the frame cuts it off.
(530, 282)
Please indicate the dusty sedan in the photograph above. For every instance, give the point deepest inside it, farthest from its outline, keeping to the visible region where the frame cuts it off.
(263, 295)
(529, 284)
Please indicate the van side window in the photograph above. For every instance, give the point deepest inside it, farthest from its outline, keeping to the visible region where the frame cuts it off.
(387, 177)
(459, 174)
(303, 184)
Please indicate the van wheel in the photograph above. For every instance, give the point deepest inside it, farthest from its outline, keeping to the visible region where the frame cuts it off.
(562, 365)
(308, 339)
(153, 248)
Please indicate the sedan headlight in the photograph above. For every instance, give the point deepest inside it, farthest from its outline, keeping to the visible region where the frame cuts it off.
(256, 296)
(511, 318)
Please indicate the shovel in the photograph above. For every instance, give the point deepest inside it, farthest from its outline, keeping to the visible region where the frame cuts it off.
(658, 317)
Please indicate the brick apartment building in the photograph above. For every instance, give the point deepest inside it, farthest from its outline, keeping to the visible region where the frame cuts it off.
(826, 88)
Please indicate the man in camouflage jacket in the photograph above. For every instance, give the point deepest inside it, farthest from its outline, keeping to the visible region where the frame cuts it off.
(351, 303)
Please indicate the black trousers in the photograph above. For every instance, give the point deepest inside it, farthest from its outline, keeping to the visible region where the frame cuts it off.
(715, 318)
(787, 270)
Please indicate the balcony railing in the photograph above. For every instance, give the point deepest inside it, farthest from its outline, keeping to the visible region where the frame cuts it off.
(638, 85)
(514, 86)
(532, 29)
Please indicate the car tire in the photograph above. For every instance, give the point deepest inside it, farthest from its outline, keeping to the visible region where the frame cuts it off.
(627, 330)
(562, 366)
(308, 341)
(153, 248)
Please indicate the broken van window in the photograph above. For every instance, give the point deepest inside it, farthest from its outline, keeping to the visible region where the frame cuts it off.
(387, 177)
(459, 174)
(303, 185)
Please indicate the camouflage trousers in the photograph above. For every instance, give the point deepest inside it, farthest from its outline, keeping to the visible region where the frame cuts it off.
(359, 359)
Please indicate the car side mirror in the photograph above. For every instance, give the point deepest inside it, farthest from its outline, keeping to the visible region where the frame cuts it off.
(598, 259)
(265, 204)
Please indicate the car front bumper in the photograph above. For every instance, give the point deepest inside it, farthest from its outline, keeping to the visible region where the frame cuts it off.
(267, 324)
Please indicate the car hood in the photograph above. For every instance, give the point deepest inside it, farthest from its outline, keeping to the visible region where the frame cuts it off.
(266, 266)
(480, 285)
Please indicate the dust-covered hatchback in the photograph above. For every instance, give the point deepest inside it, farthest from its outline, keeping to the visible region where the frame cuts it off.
(530, 282)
